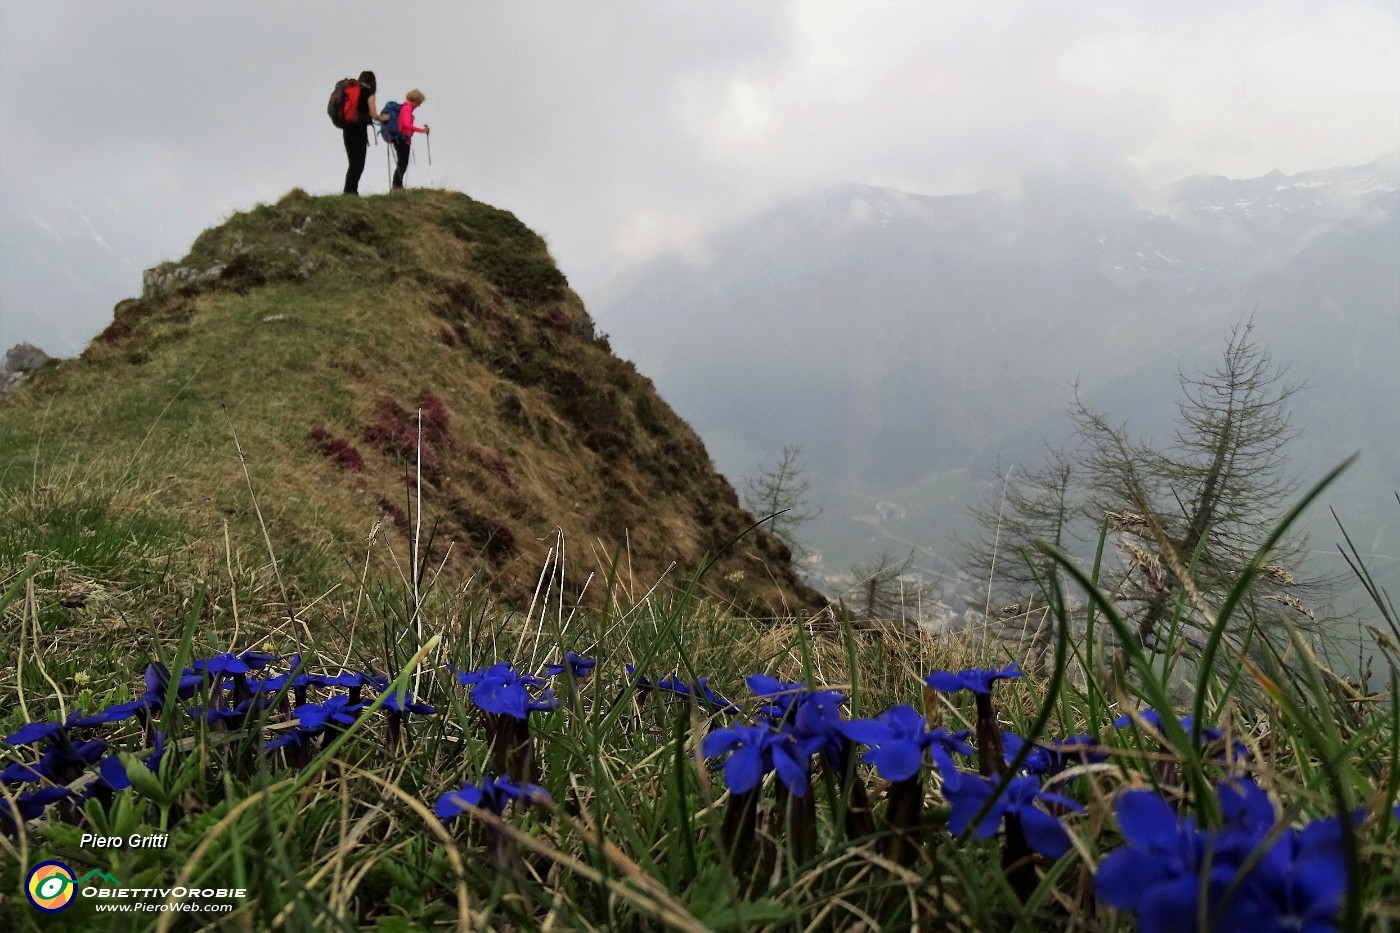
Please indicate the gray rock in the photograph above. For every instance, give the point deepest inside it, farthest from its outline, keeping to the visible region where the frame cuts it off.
(20, 361)
(23, 357)
(165, 276)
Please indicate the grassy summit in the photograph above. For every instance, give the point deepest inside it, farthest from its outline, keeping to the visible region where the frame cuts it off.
(313, 331)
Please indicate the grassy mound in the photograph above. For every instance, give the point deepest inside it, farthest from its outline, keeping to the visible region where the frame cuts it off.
(323, 360)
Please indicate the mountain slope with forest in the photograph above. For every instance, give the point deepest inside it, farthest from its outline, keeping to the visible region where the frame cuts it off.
(912, 344)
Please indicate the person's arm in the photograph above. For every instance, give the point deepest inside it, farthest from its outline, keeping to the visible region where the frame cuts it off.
(406, 124)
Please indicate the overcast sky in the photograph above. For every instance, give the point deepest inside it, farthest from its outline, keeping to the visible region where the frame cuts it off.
(623, 129)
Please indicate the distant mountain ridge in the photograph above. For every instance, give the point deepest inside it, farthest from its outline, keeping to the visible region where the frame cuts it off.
(900, 337)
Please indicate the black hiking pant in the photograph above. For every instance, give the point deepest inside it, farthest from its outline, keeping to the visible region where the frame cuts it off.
(401, 154)
(356, 145)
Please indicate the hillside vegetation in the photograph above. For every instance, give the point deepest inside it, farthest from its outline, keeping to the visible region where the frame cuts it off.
(282, 367)
(211, 658)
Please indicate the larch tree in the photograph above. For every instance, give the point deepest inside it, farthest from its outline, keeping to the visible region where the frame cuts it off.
(1209, 498)
(782, 491)
(1198, 505)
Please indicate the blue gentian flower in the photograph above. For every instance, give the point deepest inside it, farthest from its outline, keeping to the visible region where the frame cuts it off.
(157, 678)
(402, 702)
(1038, 761)
(578, 666)
(502, 689)
(978, 680)
(897, 739)
(117, 713)
(1051, 759)
(700, 691)
(1245, 809)
(816, 723)
(1167, 866)
(113, 772)
(1209, 734)
(19, 772)
(781, 694)
(350, 679)
(1082, 749)
(289, 737)
(1042, 831)
(296, 680)
(312, 718)
(231, 716)
(811, 717)
(32, 732)
(63, 761)
(1301, 881)
(396, 706)
(292, 680)
(754, 751)
(490, 793)
(228, 664)
(226, 667)
(30, 805)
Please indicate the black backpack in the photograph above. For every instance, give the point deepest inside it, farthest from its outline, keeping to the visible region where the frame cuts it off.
(345, 103)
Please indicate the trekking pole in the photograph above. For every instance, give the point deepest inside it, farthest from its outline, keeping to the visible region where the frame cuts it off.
(428, 140)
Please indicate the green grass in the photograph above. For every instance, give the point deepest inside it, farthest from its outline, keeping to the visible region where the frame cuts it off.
(634, 837)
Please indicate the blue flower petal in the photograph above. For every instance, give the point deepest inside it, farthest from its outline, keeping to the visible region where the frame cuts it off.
(945, 682)
(972, 791)
(865, 731)
(791, 765)
(1120, 878)
(948, 771)
(897, 761)
(744, 768)
(1244, 805)
(114, 773)
(30, 733)
(1170, 907)
(1147, 820)
(1044, 832)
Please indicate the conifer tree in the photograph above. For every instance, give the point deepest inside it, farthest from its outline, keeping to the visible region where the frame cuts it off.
(885, 589)
(781, 491)
(1028, 504)
(1204, 501)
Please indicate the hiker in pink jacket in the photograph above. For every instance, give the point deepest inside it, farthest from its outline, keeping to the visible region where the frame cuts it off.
(412, 100)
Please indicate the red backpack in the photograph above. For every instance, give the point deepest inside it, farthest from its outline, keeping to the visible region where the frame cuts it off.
(345, 103)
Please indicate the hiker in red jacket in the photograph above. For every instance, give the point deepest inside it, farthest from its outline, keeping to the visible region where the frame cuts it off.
(357, 133)
(412, 100)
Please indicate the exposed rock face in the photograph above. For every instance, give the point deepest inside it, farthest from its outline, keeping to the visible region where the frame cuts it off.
(22, 359)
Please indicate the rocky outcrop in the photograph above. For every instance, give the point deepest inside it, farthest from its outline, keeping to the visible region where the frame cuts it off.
(21, 360)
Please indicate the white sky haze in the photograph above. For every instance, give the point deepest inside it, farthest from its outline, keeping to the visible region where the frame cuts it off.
(620, 130)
